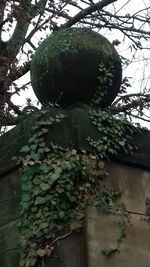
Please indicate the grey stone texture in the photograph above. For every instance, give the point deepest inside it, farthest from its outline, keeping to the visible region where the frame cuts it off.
(71, 132)
(65, 68)
(130, 174)
(103, 232)
(9, 217)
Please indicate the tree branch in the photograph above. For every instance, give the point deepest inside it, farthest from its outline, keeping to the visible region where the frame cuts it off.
(89, 10)
(23, 22)
(2, 8)
(26, 14)
(35, 9)
(134, 104)
(21, 71)
(137, 117)
(127, 96)
(121, 28)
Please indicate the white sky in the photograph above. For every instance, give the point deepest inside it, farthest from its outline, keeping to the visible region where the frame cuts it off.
(138, 70)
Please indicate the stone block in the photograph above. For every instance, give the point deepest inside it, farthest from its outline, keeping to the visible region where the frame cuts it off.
(9, 197)
(9, 245)
(68, 252)
(103, 232)
(133, 185)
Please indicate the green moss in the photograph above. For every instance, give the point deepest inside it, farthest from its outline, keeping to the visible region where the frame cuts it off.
(69, 41)
(65, 67)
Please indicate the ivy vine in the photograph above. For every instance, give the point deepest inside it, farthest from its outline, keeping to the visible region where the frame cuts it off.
(58, 184)
(105, 79)
(116, 134)
(112, 251)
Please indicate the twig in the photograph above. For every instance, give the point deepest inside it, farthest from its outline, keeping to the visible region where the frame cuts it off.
(130, 95)
(60, 237)
(87, 11)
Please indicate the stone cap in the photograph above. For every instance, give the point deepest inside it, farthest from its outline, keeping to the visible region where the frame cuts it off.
(71, 132)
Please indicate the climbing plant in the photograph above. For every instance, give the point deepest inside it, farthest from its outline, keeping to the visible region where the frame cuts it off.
(105, 78)
(116, 133)
(58, 184)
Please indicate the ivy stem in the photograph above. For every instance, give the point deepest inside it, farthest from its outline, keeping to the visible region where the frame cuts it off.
(60, 237)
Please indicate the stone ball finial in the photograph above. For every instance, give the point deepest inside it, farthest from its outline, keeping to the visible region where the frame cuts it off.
(76, 65)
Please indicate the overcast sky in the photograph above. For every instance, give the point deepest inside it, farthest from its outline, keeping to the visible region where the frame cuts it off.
(138, 70)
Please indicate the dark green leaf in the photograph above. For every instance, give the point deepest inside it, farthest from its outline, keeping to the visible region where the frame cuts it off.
(40, 200)
(25, 148)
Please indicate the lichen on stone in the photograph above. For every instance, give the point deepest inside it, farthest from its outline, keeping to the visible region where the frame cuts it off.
(65, 67)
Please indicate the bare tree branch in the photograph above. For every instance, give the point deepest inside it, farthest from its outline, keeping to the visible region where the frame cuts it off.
(37, 8)
(132, 105)
(89, 10)
(129, 31)
(46, 15)
(23, 22)
(2, 8)
(21, 71)
(128, 96)
(28, 12)
(137, 117)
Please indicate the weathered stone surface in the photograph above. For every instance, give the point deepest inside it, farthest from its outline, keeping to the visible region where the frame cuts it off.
(9, 245)
(71, 132)
(133, 184)
(69, 252)
(9, 197)
(65, 68)
(140, 156)
(103, 232)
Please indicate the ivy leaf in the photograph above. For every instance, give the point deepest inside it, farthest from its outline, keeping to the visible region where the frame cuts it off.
(40, 200)
(42, 144)
(26, 197)
(34, 209)
(46, 149)
(31, 139)
(43, 111)
(44, 225)
(34, 156)
(44, 130)
(25, 206)
(41, 150)
(44, 168)
(62, 116)
(27, 186)
(41, 252)
(53, 177)
(14, 158)
(37, 181)
(122, 143)
(33, 261)
(61, 214)
(44, 186)
(70, 197)
(25, 148)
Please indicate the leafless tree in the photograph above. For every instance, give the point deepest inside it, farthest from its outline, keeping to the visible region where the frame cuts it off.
(23, 21)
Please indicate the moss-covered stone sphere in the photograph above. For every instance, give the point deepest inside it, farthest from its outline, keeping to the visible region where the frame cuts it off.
(76, 65)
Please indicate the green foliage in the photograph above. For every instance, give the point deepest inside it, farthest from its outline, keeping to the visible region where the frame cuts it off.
(105, 75)
(70, 41)
(116, 134)
(122, 234)
(105, 78)
(58, 184)
(85, 54)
